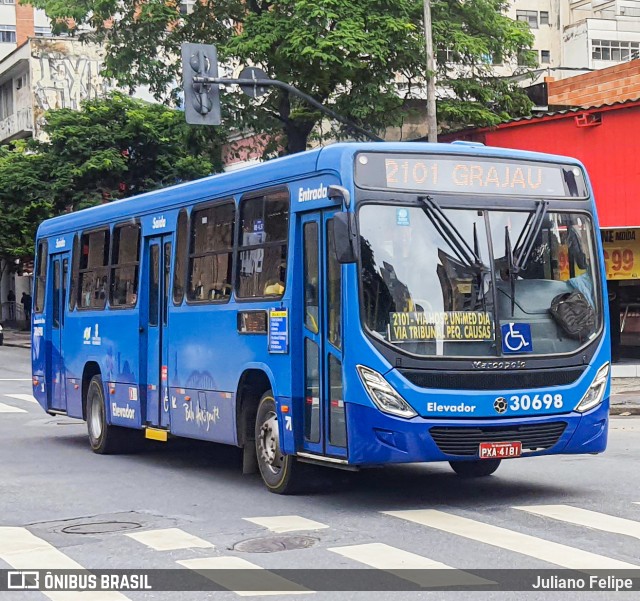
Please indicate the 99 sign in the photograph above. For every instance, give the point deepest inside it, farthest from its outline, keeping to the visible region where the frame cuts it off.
(619, 260)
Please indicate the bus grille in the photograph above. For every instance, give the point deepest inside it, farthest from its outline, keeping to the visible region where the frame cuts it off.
(495, 380)
(465, 441)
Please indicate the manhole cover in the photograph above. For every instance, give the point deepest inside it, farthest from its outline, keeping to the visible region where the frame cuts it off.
(273, 544)
(100, 527)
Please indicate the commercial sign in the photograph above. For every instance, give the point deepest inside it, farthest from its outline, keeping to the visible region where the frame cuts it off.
(622, 253)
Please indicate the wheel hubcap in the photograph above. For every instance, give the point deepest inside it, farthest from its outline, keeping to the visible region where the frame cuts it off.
(95, 423)
(269, 444)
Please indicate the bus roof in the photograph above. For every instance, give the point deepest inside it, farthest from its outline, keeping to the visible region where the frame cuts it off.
(329, 158)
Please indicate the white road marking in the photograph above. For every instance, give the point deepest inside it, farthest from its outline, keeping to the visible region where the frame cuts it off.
(287, 523)
(408, 566)
(169, 539)
(15, 379)
(532, 546)
(252, 580)
(22, 550)
(29, 398)
(584, 517)
(9, 409)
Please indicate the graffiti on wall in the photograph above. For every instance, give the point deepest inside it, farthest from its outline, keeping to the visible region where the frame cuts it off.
(64, 75)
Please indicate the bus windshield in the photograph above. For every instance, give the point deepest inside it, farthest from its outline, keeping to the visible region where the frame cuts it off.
(435, 284)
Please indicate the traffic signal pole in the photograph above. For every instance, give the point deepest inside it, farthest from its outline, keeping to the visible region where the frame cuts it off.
(263, 83)
(201, 86)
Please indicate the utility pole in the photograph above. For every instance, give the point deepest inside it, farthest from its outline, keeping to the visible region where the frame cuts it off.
(432, 123)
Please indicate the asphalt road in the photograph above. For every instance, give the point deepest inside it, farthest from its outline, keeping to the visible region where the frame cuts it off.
(188, 502)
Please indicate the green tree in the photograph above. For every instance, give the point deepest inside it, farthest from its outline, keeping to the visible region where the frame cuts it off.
(112, 148)
(346, 54)
(24, 202)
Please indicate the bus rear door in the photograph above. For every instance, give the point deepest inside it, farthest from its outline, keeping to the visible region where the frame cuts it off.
(153, 329)
(324, 411)
(58, 270)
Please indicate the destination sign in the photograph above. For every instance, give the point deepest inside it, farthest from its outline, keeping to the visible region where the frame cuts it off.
(469, 175)
(448, 326)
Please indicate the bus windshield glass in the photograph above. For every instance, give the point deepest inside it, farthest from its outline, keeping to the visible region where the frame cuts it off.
(433, 285)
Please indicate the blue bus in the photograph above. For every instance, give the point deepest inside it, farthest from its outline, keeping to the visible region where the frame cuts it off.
(357, 305)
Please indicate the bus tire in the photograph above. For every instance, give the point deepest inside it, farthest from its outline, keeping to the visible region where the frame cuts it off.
(280, 473)
(475, 469)
(104, 438)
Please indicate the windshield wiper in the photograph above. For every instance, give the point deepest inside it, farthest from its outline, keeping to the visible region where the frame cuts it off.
(527, 238)
(464, 253)
(526, 241)
(470, 257)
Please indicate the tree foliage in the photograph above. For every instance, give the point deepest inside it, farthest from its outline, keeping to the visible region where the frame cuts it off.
(112, 148)
(347, 54)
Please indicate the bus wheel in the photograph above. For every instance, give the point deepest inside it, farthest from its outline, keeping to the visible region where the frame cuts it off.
(279, 472)
(475, 469)
(104, 438)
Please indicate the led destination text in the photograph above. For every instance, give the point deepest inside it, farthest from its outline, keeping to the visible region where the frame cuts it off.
(449, 175)
(468, 175)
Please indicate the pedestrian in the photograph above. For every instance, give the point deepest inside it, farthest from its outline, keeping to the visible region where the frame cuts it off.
(11, 299)
(26, 304)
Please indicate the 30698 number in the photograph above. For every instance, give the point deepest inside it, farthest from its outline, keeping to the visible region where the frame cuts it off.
(538, 402)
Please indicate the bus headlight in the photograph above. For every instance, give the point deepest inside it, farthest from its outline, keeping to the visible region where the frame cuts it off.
(593, 396)
(383, 394)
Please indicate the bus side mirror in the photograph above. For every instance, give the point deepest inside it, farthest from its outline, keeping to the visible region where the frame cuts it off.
(345, 237)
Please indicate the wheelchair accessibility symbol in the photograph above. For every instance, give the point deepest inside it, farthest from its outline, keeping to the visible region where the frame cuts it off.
(516, 338)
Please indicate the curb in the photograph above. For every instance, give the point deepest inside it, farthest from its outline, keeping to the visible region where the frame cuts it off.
(16, 344)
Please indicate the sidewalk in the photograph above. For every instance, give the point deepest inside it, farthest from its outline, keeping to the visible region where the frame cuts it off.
(19, 338)
(625, 392)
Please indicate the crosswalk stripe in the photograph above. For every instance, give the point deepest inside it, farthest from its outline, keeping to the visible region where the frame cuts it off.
(287, 523)
(584, 517)
(556, 553)
(23, 550)
(9, 409)
(15, 379)
(169, 539)
(29, 398)
(408, 566)
(250, 576)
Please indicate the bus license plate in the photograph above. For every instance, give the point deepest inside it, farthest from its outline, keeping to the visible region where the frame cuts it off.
(500, 450)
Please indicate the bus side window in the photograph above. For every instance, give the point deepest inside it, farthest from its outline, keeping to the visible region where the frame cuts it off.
(73, 293)
(181, 257)
(125, 258)
(264, 229)
(334, 290)
(94, 270)
(43, 253)
(211, 251)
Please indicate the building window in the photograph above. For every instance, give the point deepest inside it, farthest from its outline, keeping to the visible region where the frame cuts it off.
(545, 57)
(42, 32)
(187, 6)
(544, 17)
(7, 1)
(528, 16)
(445, 55)
(613, 50)
(7, 34)
(6, 100)
(527, 57)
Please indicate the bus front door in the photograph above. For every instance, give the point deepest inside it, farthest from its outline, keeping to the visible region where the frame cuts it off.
(59, 269)
(324, 410)
(153, 328)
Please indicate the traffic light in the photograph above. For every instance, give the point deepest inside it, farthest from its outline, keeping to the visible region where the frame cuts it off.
(201, 100)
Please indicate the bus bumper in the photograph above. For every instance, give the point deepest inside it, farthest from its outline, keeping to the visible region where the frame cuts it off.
(376, 438)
